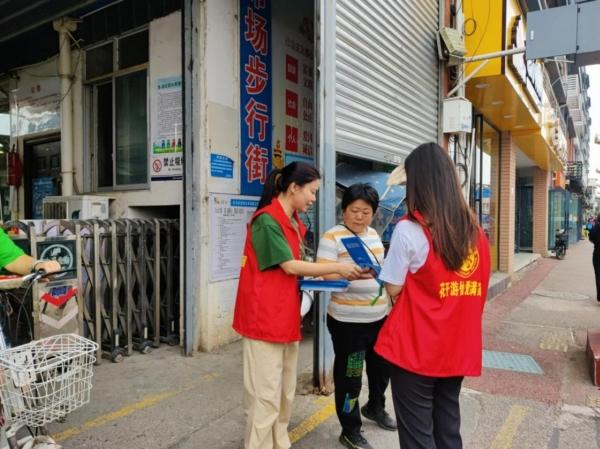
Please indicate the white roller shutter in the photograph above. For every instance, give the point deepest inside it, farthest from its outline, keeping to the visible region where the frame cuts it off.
(386, 77)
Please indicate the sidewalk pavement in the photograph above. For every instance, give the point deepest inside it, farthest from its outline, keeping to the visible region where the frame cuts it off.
(164, 400)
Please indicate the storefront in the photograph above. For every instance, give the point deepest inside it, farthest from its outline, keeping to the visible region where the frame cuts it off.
(356, 88)
(512, 95)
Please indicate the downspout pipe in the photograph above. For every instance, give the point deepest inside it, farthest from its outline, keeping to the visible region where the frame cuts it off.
(64, 27)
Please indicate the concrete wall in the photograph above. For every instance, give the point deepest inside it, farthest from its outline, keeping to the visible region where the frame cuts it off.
(219, 133)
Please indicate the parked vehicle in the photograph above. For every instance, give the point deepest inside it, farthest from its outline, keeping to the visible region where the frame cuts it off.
(41, 381)
(561, 241)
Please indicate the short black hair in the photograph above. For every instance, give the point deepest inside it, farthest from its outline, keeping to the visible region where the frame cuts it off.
(361, 191)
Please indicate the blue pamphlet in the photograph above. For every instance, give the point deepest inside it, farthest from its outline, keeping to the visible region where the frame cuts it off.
(358, 252)
(323, 285)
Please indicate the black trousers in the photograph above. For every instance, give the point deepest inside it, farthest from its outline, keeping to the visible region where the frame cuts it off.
(596, 262)
(427, 410)
(353, 345)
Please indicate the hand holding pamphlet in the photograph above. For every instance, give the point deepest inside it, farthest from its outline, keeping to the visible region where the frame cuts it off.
(357, 250)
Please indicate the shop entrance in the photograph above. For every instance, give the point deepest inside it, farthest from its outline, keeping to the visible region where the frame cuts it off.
(42, 173)
(524, 217)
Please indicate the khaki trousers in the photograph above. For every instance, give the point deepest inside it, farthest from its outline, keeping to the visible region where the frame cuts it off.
(269, 389)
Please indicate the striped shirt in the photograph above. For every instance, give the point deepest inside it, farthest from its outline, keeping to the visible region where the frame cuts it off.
(354, 305)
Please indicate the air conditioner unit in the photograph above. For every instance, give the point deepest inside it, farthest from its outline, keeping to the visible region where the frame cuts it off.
(80, 207)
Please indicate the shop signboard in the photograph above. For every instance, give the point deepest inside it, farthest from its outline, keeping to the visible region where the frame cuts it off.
(293, 80)
(255, 94)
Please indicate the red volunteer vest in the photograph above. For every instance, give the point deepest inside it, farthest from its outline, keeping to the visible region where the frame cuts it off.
(434, 328)
(267, 306)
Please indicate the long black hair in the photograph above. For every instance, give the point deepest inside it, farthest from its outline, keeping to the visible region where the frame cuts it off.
(299, 173)
(433, 189)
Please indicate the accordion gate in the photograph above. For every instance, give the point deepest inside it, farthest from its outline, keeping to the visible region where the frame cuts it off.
(129, 283)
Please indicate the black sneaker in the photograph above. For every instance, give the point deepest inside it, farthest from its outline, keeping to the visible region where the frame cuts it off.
(381, 417)
(355, 441)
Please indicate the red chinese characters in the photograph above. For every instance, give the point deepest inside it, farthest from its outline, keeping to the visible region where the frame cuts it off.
(291, 69)
(256, 163)
(257, 112)
(256, 32)
(255, 94)
(256, 75)
(291, 103)
(291, 138)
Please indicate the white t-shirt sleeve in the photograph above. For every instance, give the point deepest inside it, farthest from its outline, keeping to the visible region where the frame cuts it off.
(408, 251)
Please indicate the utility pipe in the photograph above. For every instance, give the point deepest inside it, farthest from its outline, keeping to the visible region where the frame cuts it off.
(65, 26)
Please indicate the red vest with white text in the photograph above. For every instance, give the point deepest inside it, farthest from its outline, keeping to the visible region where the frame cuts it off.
(267, 306)
(434, 328)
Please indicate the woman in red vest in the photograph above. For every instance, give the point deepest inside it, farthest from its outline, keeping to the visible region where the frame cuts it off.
(437, 270)
(267, 308)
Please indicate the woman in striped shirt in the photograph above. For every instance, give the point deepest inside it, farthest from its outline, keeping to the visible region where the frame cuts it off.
(354, 319)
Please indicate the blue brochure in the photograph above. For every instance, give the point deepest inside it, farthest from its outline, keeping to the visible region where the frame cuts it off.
(323, 285)
(360, 256)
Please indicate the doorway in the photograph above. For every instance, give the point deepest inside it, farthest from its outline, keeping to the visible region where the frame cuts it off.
(524, 218)
(42, 173)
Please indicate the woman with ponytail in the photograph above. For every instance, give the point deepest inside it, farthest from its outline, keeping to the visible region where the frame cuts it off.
(267, 308)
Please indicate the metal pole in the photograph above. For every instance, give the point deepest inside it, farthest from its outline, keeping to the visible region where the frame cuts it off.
(64, 26)
(496, 54)
(464, 81)
(323, 366)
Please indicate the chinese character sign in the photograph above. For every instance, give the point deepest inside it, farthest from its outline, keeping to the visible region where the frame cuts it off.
(256, 103)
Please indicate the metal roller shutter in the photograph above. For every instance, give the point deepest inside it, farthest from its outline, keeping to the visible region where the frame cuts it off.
(386, 77)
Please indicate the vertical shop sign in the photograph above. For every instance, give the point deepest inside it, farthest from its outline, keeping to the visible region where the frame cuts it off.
(255, 110)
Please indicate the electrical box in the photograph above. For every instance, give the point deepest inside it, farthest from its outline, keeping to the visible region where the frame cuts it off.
(457, 115)
(79, 207)
(454, 41)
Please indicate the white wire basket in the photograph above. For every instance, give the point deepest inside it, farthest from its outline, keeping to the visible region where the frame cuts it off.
(46, 379)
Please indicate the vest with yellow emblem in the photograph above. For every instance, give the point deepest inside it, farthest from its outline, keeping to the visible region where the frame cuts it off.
(434, 328)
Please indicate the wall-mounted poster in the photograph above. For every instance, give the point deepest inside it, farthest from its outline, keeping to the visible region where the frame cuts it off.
(167, 130)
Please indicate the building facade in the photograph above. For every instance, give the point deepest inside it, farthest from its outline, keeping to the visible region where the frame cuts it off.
(533, 126)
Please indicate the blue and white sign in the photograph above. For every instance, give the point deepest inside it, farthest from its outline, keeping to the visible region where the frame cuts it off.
(221, 166)
(255, 94)
(41, 188)
(229, 218)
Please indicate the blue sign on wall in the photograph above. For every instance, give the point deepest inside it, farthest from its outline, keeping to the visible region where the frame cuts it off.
(41, 188)
(255, 94)
(221, 166)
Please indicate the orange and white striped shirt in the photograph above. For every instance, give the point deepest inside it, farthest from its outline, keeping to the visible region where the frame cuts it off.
(354, 305)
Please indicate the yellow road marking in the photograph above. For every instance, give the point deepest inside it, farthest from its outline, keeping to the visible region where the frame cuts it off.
(504, 438)
(312, 422)
(147, 402)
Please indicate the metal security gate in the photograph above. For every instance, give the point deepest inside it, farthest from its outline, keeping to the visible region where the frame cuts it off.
(386, 77)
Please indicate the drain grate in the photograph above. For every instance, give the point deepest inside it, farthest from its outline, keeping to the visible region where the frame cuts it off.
(510, 361)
